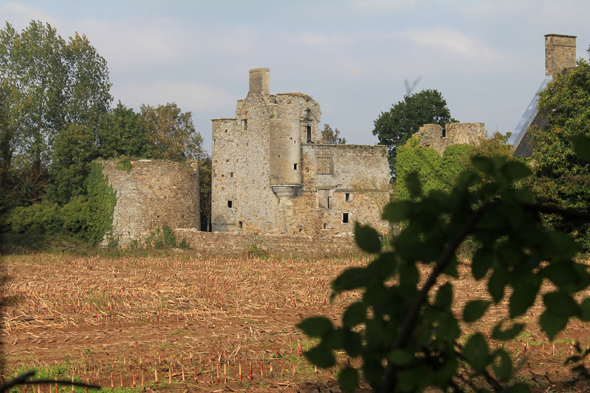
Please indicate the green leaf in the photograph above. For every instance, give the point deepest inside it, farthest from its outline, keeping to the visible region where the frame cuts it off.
(348, 379)
(482, 261)
(552, 324)
(484, 164)
(476, 352)
(321, 357)
(353, 344)
(413, 184)
(516, 170)
(474, 310)
(398, 211)
(444, 297)
(585, 310)
(498, 281)
(563, 245)
(561, 304)
(401, 357)
(503, 370)
(367, 238)
(508, 334)
(315, 326)
(352, 278)
(581, 146)
(355, 314)
(526, 287)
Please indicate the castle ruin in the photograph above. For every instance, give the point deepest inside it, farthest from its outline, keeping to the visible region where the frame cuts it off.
(433, 135)
(272, 173)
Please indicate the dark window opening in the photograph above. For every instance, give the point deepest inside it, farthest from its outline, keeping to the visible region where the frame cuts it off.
(308, 133)
(347, 196)
(345, 218)
(240, 224)
(245, 124)
(225, 130)
(229, 204)
(222, 175)
(444, 133)
(231, 174)
(324, 226)
(295, 166)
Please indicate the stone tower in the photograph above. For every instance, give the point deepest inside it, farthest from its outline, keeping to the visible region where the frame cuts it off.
(560, 53)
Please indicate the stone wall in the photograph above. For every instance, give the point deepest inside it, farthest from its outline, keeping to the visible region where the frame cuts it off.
(249, 243)
(152, 193)
(560, 53)
(433, 135)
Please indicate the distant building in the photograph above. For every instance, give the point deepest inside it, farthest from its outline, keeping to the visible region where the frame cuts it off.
(272, 173)
(433, 135)
(560, 56)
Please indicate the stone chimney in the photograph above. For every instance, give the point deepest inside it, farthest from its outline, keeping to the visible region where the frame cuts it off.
(260, 81)
(560, 53)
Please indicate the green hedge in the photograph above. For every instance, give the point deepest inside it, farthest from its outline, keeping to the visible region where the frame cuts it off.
(88, 218)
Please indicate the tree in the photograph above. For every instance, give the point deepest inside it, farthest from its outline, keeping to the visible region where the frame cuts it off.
(205, 169)
(560, 177)
(171, 133)
(121, 133)
(52, 83)
(406, 331)
(332, 137)
(405, 118)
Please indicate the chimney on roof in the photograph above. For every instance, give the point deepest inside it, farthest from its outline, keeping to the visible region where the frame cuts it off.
(260, 81)
(560, 53)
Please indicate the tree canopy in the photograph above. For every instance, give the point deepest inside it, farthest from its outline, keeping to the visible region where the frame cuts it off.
(332, 137)
(395, 127)
(561, 178)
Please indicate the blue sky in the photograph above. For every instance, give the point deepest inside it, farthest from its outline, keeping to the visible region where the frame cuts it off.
(485, 57)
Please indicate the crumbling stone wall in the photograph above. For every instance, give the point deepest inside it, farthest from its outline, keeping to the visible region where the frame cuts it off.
(433, 135)
(285, 245)
(152, 193)
(560, 53)
(270, 168)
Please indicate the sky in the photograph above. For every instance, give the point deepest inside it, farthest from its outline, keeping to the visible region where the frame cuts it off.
(352, 56)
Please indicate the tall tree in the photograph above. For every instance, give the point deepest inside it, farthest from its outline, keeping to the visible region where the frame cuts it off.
(171, 133)
(53, 83)
(332, 137)
(205, 192)
(405, 118)
(561, 178)
(121, 133)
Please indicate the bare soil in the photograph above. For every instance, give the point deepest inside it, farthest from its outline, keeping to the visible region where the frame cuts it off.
(210, 324)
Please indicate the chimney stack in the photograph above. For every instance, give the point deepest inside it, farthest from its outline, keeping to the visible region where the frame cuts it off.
(260, 81)
(560, 53)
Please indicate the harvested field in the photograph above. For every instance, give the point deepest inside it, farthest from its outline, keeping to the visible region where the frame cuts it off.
(204, 324)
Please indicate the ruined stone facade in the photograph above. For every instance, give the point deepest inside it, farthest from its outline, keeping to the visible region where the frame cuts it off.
(152, 193)
(272, 173)
(433, 135)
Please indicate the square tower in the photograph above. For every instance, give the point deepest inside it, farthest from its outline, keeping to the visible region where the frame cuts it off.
(560, 53)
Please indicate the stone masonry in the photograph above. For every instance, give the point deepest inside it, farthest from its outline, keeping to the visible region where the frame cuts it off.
(272, 173)
(152, 193)
(560, 53)
(433, 135)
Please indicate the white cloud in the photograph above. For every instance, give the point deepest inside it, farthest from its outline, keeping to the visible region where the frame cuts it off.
(192, 96)
(20, 15)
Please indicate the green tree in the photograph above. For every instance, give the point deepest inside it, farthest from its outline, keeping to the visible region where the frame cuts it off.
(53, 83)
(170, 133)
(73, 152)
(405, 118)
(121, 133)
(560, 177)
(332, 137)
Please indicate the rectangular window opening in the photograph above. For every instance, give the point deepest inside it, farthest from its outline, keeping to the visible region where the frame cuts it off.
(245, 124)
(294, 166)
(444, 132)
(324, 226)
(308, 133)
(240, 225)
(324, 199)
(229, 204)
(345, 218)
(324, 161)
(231, 174)
(347, 197)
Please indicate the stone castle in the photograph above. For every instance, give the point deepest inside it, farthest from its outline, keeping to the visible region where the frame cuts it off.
(433, 135)
(273, 173)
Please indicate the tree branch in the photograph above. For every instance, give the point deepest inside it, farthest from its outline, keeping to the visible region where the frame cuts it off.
(552, 209)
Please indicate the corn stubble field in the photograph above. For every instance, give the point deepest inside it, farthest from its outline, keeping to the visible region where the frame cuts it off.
(182, 323)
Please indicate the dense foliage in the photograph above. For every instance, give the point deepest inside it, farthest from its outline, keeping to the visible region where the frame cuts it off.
(55, 120)
(332, 137)
(560, 177)
(407, 334)
(405, 118)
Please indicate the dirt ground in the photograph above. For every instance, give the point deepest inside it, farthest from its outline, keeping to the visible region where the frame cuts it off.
(215, 324)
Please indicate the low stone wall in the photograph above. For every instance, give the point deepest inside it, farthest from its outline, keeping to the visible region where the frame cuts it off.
(243, 243)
